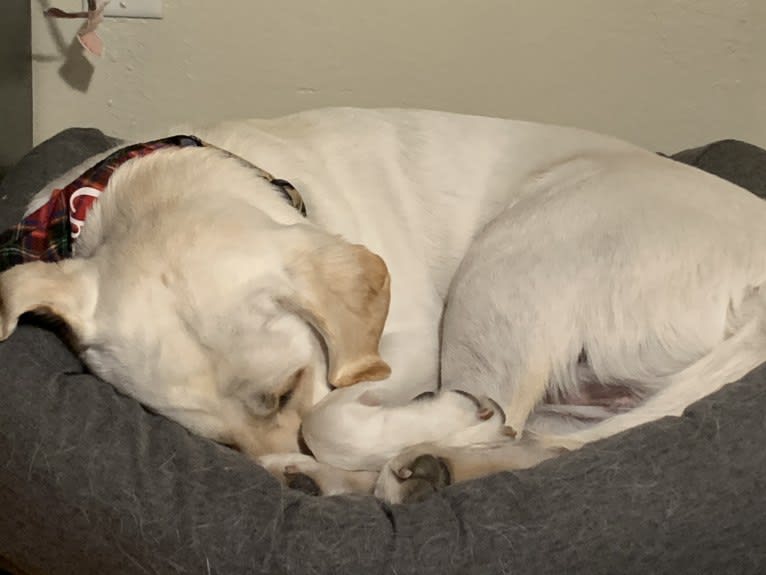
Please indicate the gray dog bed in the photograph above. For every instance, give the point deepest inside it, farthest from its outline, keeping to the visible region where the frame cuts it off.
(91, 482)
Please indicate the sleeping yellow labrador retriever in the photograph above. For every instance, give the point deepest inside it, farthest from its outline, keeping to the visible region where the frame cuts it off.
(389, 301)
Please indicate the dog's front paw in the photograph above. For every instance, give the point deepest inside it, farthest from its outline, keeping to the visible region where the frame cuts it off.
(414, 475)
(294, 470)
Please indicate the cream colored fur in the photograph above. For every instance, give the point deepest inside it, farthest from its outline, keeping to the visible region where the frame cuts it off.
(562, 257)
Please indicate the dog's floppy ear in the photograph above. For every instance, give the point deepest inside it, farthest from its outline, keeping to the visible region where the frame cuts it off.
(342, 290)
(63, 289)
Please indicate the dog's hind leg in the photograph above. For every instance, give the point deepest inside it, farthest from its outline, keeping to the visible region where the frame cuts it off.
(419, 471)
(490, 347)
(500, 335)
(729, 361)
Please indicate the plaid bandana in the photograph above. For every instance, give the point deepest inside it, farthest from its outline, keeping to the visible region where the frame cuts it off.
(48, 233)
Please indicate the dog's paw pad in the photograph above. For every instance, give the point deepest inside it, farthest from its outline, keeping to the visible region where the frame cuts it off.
(370, 399)
(426, 475)
(433, 469)
(300, 481)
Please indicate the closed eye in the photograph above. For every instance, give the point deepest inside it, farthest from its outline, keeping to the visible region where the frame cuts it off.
(285, 398)
(295, 379)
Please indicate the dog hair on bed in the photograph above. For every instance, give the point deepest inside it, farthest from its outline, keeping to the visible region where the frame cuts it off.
(481, 293)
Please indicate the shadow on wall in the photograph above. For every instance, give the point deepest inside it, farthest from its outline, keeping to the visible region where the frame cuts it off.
(76, 70)
(15, 83)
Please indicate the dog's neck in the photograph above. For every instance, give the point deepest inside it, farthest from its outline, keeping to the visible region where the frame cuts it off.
(49, 233)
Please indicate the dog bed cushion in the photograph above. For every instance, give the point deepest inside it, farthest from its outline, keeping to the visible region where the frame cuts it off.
(91, 482)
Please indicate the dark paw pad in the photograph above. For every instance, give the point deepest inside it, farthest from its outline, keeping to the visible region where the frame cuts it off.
(302, 482)
(424, 476)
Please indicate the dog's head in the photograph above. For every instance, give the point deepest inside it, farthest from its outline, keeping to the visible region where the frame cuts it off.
(201, 293)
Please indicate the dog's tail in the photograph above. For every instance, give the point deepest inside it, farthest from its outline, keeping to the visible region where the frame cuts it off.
(729, 361)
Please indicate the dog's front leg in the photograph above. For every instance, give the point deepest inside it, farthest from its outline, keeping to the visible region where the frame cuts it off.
(361, 431)
(303, 472)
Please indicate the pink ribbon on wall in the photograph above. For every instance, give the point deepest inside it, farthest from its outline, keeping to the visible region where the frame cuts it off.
(86, 35)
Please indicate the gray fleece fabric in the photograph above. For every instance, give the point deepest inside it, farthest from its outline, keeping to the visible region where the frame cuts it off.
(91, 482)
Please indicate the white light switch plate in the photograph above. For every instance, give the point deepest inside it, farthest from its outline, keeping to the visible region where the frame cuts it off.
(131, 8)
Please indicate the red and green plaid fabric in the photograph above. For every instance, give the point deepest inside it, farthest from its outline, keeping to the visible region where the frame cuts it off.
(48, 233)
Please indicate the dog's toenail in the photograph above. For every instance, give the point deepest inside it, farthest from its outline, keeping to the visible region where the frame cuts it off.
(509, 431)
(404, 473)
(468, 396)
(425, 395)
(485, 413)
(498, 409)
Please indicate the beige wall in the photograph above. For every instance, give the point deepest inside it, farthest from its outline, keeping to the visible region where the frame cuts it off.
(15, 83)
(666, 74)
